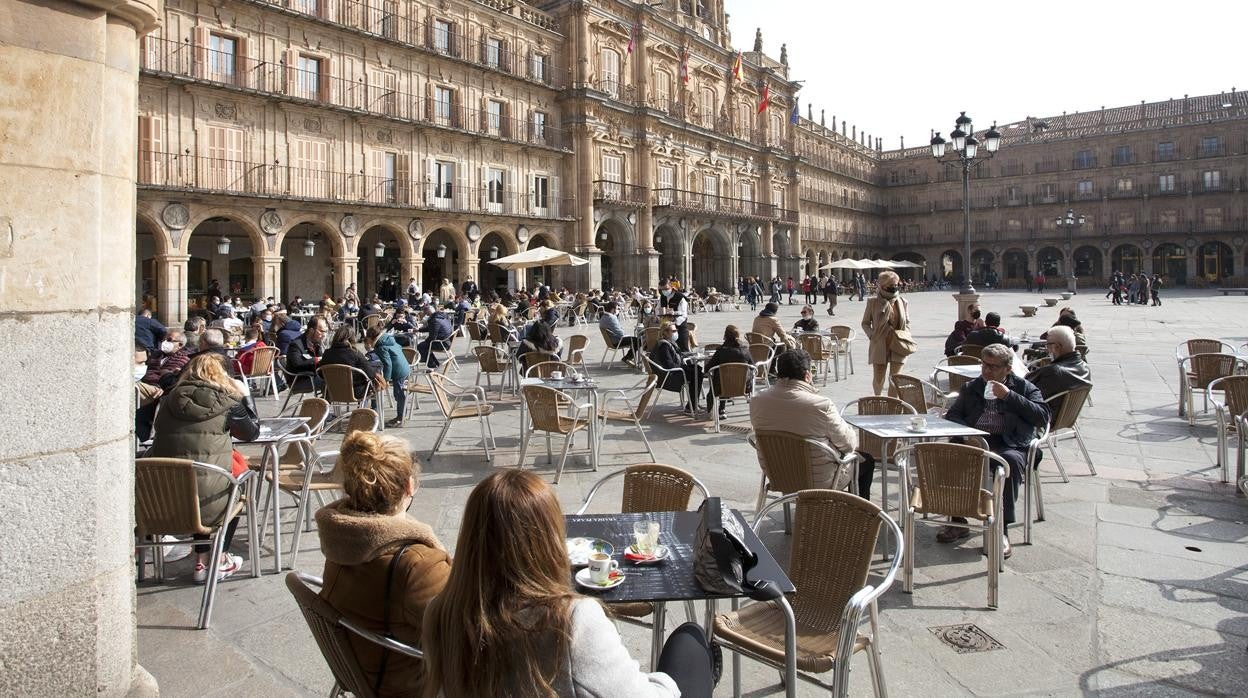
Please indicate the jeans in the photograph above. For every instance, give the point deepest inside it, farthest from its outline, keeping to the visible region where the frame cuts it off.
(426, 356)
(400, 397)
(1015, 457)
(229, 536)
(686, 657)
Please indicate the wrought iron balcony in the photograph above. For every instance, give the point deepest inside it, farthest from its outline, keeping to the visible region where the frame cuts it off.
(606, 191)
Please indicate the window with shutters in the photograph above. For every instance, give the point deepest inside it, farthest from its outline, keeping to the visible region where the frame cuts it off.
(777, 197)
(1211, 180)
(710, 191)
(443, 98)
(493, 52)
(667, 182)
(308, 77)
(744, 115)
(1165, 183)
(382, 17)
(1168, 218)
(1084, 187)
(708, 107)
(222, 59)
(1165, 151)
(383, 92)
(745, 191)
(609, 72)
(1210, 146)
(1048, 190)
(442, 36)
(443, 184)
(494, 117)
(494, 179)
(777, 128)
(224, 168)
(307, 7)
(382, 185)
(151, 150)
(613, 175)
(662, 90)
(309, 168)
(541, 194)
(539, 127)
(539, 67)
(1124, 184)
(1211, 218)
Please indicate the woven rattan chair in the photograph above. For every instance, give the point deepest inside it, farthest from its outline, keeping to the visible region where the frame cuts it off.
(501, 335)
(974, 350)
(954, 381)
(333, 633)
(948, 481)
(819, 628)
(924, 397)
(166, 503)
(1192, 347)
(494, 361)
(821, 354)
(444, 350)
(786, 463)
(876, 446)
(296, 383)
(263, 362)
(577, 344)
(544, 369)
(530, 359)
(758, 338)
(1197, 372)
(340, 387)
(662, 375)
(1062, 426)
(1241, 423)
(650, 339)
(546, 407)
(636, 403)
(578, 315)
(763, 353)
(1234, 402)
(735, 380)
(478, 335)
(846, 336)
(462, 402)
(609, 347)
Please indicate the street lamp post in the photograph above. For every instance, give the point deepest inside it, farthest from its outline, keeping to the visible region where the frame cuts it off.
(1071, 221)
(965, 153)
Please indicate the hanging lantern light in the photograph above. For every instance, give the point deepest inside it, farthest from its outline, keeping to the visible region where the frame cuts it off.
(223, 245)
(309, 248)
(380, 249)
(494, 252)
(441, 251)
(658, 239)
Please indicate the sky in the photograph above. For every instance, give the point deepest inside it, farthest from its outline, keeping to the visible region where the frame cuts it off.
(880, 65)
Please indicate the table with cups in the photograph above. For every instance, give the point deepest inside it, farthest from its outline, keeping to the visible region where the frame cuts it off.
(612, 548)
(573, 383)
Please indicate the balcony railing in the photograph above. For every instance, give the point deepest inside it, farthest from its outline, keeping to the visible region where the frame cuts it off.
(608, 191)
(1083, 163)
(215, 175)
(1224, 184)
(1167, 155)
(712, 203)
(280, 80)
(1124, 159)
(1211, 151)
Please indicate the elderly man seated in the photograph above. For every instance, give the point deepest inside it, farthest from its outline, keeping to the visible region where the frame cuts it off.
(793, 405)
(1066, 371)
(1011, 410)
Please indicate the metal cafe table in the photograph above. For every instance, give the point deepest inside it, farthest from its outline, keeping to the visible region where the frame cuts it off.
(273, 433)
(672, 579)
(588, 387)
(891, 427)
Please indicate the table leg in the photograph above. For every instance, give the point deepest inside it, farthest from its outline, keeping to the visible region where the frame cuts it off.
(656, 634)
(275, 502)
(710, 619)
(593, 429)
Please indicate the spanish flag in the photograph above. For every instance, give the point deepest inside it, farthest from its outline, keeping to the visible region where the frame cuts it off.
(736, 67)
(766, 100)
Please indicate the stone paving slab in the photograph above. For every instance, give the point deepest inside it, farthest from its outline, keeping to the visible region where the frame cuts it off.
(1108, 600)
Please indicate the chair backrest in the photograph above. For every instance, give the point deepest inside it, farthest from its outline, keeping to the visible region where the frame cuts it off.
(576, 344)
(491, 359)
(1204, 345)
(910, 390)
(643, 400)
(262, 361)
(529, 359)
(339, 383)
(651, 339)
(963, 360)
(877, 405)
(545, 368)
(362, 419)
(785, 460)
(757, 338)
(734, 380)
(656, 487)
(830, 525)
(762, 351)
(412, 355)
(951, 478)
(1207, 368)
(546, 407)
(1072, 404)
(437, 383)
(711, 348)
(1234, 393)
(166, 497)
(531, 313)
(971, 350)
(331, 637)
(475, 331)
(374, 320)
(495, 331)
(315, 410)
(813, 344)
(841, 332)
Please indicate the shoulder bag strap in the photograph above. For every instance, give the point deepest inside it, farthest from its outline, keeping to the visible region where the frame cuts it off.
(385, 653)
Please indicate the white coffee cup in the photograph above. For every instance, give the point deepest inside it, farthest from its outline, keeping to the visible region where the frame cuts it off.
(600, 568)
(988, 394)
(918, 423)
(556, 375)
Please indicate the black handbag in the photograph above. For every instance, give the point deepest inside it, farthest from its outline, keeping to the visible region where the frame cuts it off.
(721, 559)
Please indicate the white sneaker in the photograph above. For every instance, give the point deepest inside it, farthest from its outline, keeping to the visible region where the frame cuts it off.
(229, 565)
(176, 552)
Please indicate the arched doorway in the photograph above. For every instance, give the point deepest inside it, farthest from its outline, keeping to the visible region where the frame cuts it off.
(1015, 266)
(221, 250)
(306, 267)
(709, 263)
(669, 242)
(440, 255)
(811, 267)
(615, 239)
(381, 264)
(981, 264)
(1215, 260)
(951, 266)
(1170, 260)
(489, 277)
(1088, 264)
(147, 281)
(1049, 261)
(750, 256)
(780, 248)
(1126, 259)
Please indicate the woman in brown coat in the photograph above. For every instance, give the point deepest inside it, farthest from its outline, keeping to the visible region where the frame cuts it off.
(886, 313)
(360, 536)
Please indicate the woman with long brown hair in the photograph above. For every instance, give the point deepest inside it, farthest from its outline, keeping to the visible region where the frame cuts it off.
(509, 623)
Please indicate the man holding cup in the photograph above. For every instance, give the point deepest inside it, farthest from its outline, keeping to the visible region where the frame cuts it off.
(1011, 410)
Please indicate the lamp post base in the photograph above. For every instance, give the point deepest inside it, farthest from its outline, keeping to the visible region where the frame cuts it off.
(1072, 284)
(965, 301)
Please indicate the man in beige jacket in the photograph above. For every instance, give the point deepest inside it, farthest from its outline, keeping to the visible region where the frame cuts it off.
(793, 405)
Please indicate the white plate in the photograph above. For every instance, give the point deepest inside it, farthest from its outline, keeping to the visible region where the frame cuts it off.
(579, 549)
(661, 553)
(582, 578)
(917, 431)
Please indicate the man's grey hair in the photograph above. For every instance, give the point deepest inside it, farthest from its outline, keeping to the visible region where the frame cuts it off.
(212, 338)
(998, 353)
(1063, 337)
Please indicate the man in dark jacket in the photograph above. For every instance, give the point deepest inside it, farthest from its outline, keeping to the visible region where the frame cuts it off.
(304, 351)
(439, 329)
(1067, 371)
(469, 290)
(1012, 416)
(667, 355)
(288, 330)
(148, 331)
(165, 365)
(990, 333)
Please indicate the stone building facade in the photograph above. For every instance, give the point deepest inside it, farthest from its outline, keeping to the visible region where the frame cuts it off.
(377, 141)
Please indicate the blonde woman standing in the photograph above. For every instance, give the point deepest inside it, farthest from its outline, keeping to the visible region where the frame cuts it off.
(886, 322)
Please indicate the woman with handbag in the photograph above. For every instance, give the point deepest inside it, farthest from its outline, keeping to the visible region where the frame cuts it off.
(886, 322)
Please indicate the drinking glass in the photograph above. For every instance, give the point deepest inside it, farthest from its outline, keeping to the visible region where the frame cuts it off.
(641, 535)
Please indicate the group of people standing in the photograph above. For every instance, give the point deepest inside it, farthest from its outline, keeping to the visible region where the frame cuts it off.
(1137, 289)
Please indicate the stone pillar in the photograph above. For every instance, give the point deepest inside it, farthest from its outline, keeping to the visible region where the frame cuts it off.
(171, 288)
(413, 268)
(1191, 266)
(651, 272)
(345, 271)
(68, 86)
(965, 301)
(268, 273)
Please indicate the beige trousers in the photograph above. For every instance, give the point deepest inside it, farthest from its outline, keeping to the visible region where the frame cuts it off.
(878, 379)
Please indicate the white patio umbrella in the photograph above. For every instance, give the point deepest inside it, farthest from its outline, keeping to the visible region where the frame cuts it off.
(539, 257)
(849, 264)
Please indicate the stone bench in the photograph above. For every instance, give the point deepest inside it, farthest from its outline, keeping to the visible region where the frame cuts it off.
(1229, 291)
(1028, 310)
(1050, 302)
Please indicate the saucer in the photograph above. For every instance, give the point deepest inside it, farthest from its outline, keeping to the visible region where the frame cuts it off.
(661, 553)
(579, 549)
(582, 578)
(917, 431)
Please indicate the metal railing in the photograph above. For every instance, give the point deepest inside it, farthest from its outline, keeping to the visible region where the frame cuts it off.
(1083, 163)
(216, 175)
(712, 203)
(619, 193)
(1211, 151)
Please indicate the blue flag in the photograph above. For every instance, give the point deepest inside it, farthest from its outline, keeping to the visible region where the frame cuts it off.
(794, 115)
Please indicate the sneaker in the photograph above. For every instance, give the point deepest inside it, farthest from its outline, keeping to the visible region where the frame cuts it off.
(950, 534)
(396, 422)
(228, 566)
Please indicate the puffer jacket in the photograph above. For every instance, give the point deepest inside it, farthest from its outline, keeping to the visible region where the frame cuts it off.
(394, 366)
(287, 334)
(197, 420)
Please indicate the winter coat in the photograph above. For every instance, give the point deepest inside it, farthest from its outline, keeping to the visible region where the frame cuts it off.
(394, 366)
(875, 321)
(287, 334)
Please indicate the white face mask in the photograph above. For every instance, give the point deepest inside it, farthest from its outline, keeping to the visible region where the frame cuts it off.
(168, 347)
(140, 370)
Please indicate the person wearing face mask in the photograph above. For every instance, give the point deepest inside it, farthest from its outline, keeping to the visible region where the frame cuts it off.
(808, 323)
(666, 355)
(614, 333)
(886, 315)
(676, 304)
(148, 395)
(168, 363)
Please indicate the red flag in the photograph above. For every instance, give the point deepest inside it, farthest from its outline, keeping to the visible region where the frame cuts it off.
(632, 37)
(736, 67)
(766, 101)
(684, 65)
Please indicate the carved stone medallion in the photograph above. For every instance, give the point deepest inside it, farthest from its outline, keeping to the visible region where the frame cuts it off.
(175, 216)
(474, 232)
(349, 225)
(522, 235)
(415, 230)
(271, 222)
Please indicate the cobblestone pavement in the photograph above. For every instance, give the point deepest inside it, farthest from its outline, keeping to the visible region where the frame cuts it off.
(1136, 584)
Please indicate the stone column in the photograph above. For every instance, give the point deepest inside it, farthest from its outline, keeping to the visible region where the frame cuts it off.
(965, 301)
(268, 273)
(68, 96)
(171, 288)
(345, 271)
(413, 268)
